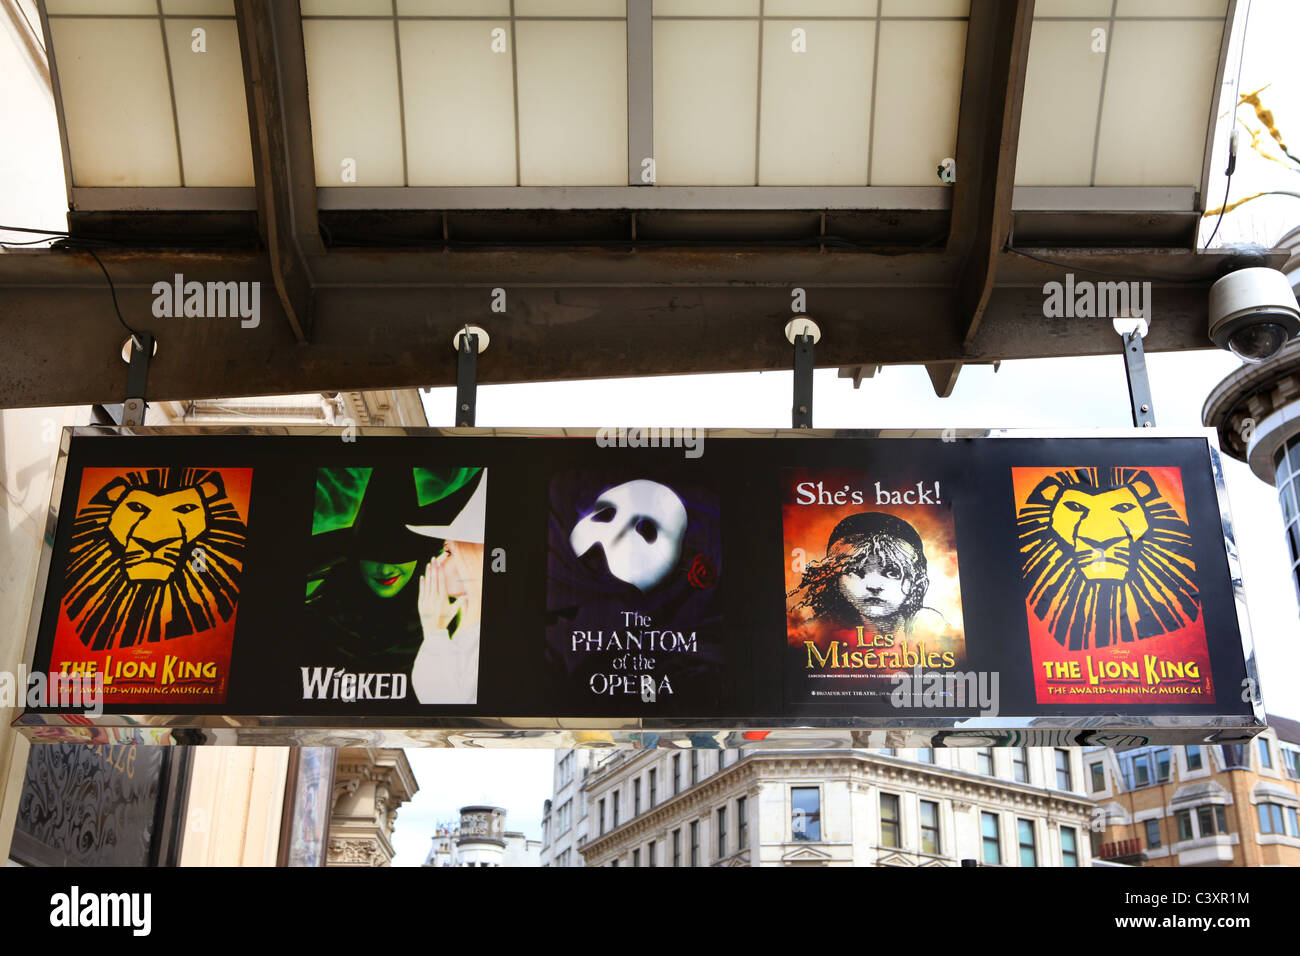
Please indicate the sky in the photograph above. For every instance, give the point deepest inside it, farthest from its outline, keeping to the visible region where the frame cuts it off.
(1063, 394)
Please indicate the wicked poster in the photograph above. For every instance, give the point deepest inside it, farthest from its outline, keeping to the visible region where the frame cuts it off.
(393, 594)
(1111, 589)
(634, 589)
(152, 582)
(871, 579)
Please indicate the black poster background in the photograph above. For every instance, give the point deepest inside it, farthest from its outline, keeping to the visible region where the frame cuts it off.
(747, 472)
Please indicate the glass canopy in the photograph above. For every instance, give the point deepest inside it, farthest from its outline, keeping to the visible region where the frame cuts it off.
(1119, 92)
(152, 92)
(617, 93)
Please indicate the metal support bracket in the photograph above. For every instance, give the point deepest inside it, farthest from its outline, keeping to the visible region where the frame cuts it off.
(469, 341)
(142, 348)
(1139, 387)
(801, 413)
(803, 333)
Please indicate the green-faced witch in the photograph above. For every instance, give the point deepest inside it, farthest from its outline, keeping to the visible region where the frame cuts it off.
(378, 534)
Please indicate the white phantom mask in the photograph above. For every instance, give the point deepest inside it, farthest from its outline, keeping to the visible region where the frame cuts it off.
(639, 525)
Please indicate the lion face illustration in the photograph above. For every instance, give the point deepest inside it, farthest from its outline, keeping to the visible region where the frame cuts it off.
(155, 555)
(153, 530)
(1106, 558)
(1099, 527)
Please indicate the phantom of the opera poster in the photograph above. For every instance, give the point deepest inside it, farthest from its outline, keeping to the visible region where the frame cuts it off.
(152, 582)
(871, 582)
(395, 585)
(634, 579)
(1110, 587)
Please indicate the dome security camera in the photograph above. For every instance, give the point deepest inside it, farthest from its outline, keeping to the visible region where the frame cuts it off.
(1253, 313)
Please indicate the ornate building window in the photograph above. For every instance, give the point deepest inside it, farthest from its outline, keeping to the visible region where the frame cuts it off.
(805, 814)
(890, 828)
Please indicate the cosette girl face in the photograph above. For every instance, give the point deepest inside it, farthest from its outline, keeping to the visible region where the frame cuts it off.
(875, 588)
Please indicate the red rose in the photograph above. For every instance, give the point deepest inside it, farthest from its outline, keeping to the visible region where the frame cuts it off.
(701, 574)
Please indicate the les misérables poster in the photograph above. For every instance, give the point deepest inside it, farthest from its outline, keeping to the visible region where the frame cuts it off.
(872, 587)
(152, 581)
(1110, 587)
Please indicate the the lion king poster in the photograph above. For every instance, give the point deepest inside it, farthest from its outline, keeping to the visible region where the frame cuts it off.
(1110, 587)
(152, 582)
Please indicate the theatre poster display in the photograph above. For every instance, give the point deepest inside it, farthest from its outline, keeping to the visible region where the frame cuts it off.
(461, 580)
(634, 593)
(872, 585)
(150, 588)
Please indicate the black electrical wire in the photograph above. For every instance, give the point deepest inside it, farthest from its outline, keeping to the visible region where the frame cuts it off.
(135, 336)
(1223, 207)
(1073, 267)
(1232, 135)
(54, 233)
(85, 246)
(29, 242)
(134, 240)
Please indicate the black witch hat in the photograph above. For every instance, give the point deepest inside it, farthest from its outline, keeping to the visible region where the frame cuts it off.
(395, 500)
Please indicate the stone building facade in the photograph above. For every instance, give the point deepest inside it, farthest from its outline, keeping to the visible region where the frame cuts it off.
(993, 806)
(564, 816)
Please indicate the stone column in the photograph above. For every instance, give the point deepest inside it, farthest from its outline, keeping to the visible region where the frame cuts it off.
(370, 784)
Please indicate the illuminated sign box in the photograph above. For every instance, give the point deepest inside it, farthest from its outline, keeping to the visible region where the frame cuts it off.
(640, 587)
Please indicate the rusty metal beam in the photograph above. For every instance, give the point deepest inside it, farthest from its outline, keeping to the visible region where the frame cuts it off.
(275, 81)
(993, 85)
(652, 312)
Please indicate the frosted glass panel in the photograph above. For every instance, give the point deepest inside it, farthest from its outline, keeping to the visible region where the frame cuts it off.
(352, 95)
(211, 108)
(572, 103)
(459, 96)
(453, 8)
(816, 105)
(1062, 93)
(570, 8)
(705, 102)
(1072, 8)
(918, 86)
(705, 8)
(346, 8)
(199, 8)
(820, 8)
(116, 102)
(137, 7)
(1157, 109)
(925, 8)
(1171, 8)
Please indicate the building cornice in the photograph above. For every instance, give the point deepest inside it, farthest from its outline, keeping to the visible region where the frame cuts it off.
(862, 770)
(701, 795)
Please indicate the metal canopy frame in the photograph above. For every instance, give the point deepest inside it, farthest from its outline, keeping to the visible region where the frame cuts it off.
(602, 281)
